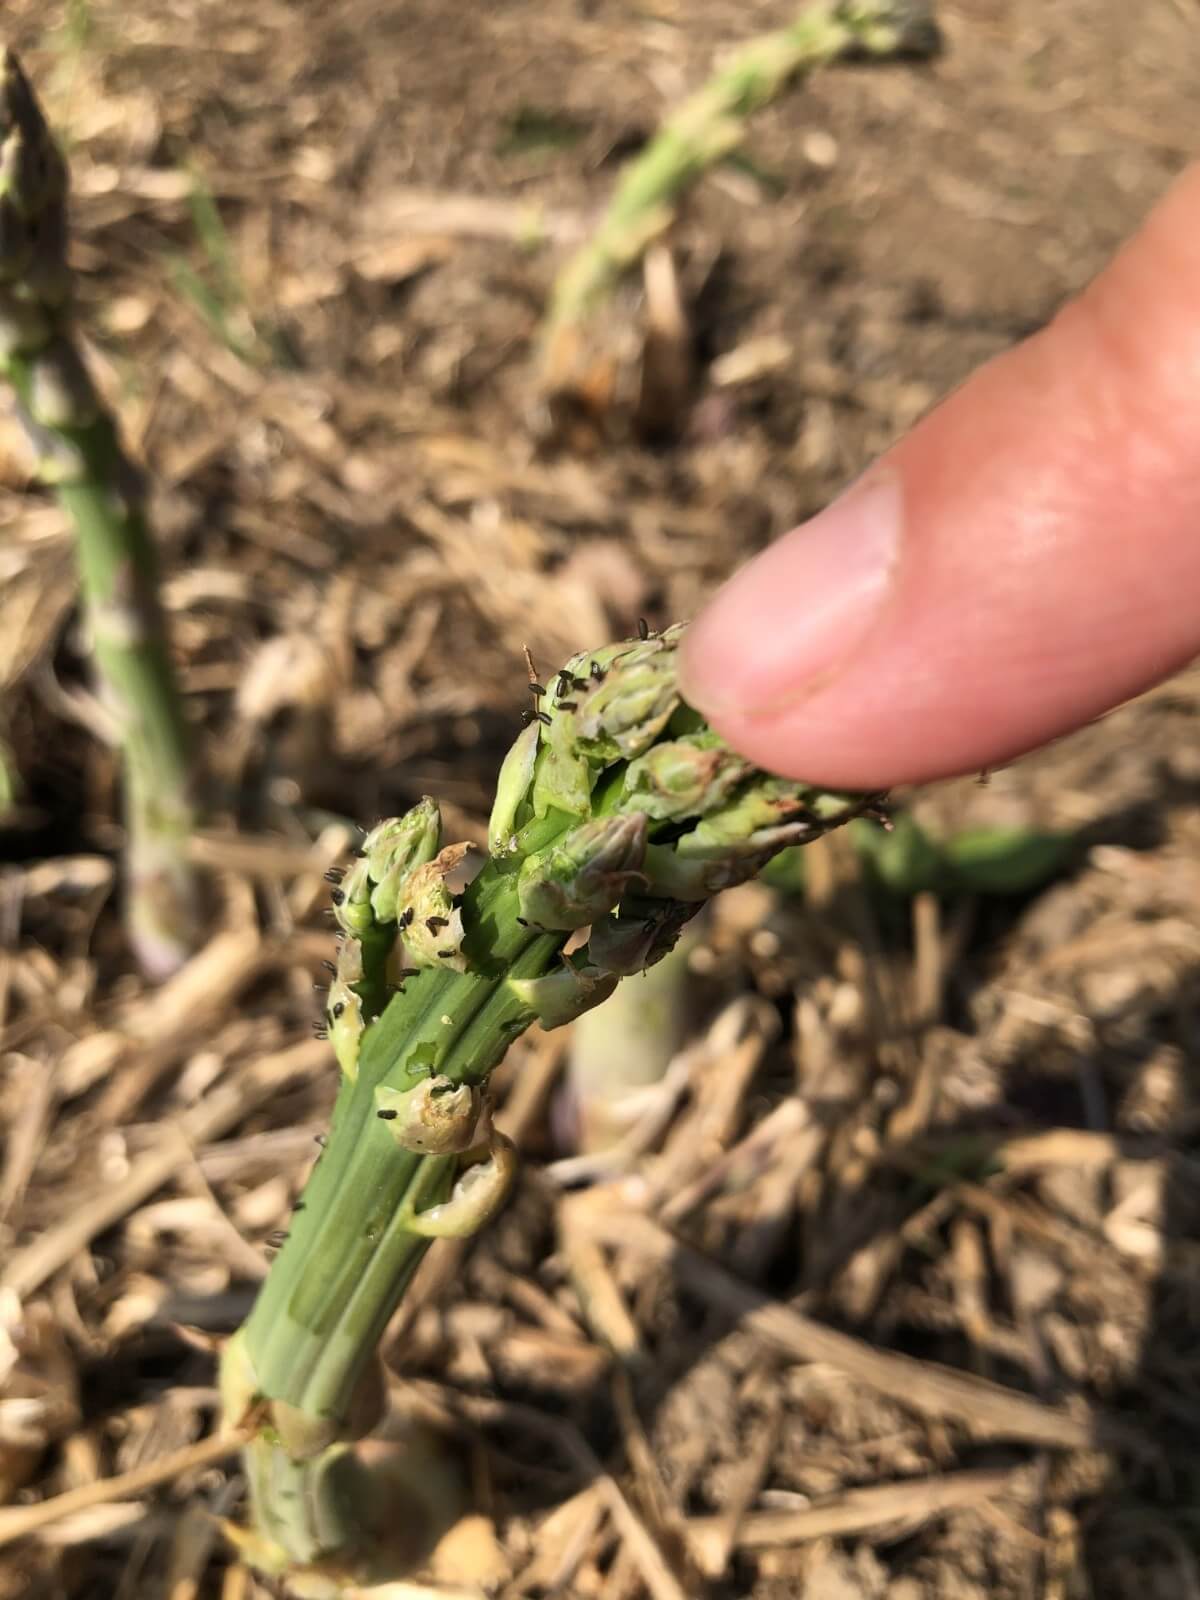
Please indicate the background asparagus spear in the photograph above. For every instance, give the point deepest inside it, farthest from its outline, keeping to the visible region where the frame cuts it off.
(617, 811)
(705, 129)
(78, 453)
(620, 1052)
(905, 859)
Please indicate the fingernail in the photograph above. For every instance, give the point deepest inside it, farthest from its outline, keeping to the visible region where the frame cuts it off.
(784, 624)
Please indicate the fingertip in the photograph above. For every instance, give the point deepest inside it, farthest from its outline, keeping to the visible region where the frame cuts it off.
(1042, 564)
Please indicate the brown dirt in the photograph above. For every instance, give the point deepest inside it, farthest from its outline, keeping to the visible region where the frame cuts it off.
(362, 524)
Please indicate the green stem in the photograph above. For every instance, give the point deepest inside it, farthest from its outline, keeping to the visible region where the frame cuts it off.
(79, 455)
(350, 1252)
(343, 1268)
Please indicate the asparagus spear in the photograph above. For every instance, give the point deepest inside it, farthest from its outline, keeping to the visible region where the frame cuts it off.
(79, 454)
(617, 811)
(620, 1053)
(704, 130)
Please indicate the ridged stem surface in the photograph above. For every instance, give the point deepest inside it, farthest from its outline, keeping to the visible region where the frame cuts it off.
(79, 455)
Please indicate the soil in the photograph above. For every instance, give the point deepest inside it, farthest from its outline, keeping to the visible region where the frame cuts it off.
(314, 247)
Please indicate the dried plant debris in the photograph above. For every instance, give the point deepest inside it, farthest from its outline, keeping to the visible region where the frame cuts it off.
(951, 1137)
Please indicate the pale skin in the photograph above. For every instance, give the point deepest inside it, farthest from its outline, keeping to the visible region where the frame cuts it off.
(1027, 558)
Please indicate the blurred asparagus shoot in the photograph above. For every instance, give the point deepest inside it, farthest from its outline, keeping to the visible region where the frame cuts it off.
(620, 1053)
(617, 814)
(704, 130)
(10, 780)
(218, 293)
(79, 455)
(906, 859)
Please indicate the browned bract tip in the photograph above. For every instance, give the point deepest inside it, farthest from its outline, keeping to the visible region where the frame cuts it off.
(919, 34)
(33, 191)
(895, 29)
(18, 103)
(31, 167)
(919, 29)
(16, 95)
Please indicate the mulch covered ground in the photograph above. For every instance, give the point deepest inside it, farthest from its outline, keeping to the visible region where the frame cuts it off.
(900, 1298)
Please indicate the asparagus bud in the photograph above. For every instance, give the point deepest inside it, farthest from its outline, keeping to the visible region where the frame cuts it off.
(684, 777)
(569, 883)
